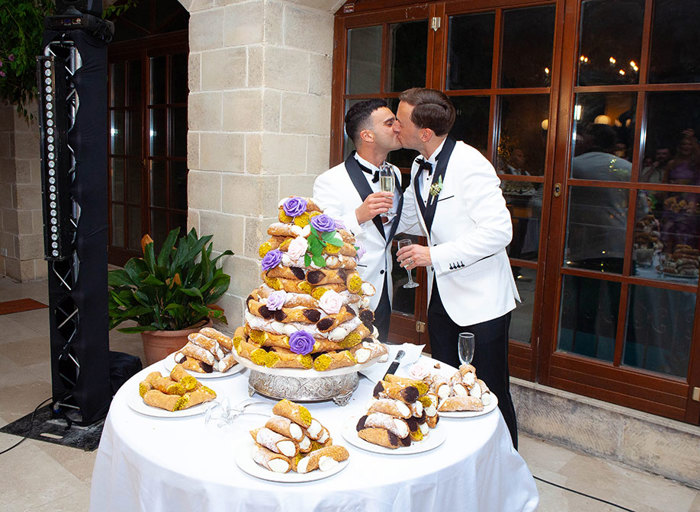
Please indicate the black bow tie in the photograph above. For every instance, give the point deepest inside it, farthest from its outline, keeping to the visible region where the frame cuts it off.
(375, 174)
(424, 164)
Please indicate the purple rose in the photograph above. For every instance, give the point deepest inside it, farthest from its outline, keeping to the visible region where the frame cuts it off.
(360, 250)
(323, 223)
(294, 206)
(272, 259)
(301, 342)
(339, 224)
(276, 300)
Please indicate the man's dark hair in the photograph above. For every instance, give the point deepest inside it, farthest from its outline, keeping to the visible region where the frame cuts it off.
(603, 137)
(358, 115)
(431, 109)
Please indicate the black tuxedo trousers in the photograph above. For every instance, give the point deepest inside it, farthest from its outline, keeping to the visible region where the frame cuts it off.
(490, 353)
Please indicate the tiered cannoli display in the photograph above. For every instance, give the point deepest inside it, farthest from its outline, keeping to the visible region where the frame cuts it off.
(175, 392)
(207, 351)
(292, 440)
(312, 308)
(403, 411)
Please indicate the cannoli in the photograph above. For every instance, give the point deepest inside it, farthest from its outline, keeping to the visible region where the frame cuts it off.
(391, 407)
(315, 431)
(466, 368)
(286, 272)
(305, 444)
(285, 427)
(430, 403)
(322, 277)
(288, 230)
(367, 351)
(201, 395)
(333, 360)
(180, 375)
(206, 343)
(220, 337)
(397, 426)
(341, 261)
(156, 398)
(432, 421)
(382, 437)
(475, 391)
(421, 386)
(270, 460)
(329, 322)
(192, 364)
(408, 394)
(144, 387)
(164, 384)
(416, 435)
(198, 352)
(274, 441)
(295, 412)
(460, 389)
(323, 459)
(440, 386)
(284, 358)
(292, 300)
(226, 363)
(416, 409)
(461, 403)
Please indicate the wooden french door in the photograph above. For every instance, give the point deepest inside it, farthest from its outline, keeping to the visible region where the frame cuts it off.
(567, 98)
(148, 127)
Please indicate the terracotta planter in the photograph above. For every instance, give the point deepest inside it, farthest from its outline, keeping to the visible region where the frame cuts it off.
(158, 345)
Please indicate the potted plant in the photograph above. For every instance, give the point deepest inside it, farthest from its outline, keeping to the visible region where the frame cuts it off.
(168, 296)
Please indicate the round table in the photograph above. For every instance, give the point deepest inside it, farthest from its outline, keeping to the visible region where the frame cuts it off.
(182, 464)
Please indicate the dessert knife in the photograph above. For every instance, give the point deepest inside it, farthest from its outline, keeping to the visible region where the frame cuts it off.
(395, 363)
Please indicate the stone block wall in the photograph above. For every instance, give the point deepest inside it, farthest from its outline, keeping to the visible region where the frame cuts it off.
(259, 121)
(21, 225)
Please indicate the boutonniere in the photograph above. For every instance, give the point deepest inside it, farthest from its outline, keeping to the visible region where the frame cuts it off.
(435, 188)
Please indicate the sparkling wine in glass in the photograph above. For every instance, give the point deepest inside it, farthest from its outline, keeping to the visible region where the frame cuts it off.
(411, 283)
(386, 179)
(465, 347)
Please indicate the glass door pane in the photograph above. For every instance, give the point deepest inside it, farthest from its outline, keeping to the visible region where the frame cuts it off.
(470, 51)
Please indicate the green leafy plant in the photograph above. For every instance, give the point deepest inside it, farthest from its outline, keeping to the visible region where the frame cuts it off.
(173, 291)
(317, 242)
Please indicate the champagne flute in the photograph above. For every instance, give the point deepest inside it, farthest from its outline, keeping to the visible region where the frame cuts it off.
(465, 347)
(386, 183)
(411, 283)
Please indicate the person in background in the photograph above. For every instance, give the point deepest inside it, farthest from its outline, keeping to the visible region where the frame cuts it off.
(459, 207)
(351, 193)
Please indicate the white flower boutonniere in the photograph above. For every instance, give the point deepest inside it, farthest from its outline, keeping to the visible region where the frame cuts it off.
(435, 189)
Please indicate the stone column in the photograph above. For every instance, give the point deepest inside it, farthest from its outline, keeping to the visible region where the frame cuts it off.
(259, 121)
(21, 224)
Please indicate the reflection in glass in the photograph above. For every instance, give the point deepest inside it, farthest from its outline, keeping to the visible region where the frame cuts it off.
(117, 179)
(524, 202)
(117, 225)
(135, 135)
(135, 234)
(134, 83)
(611, 42)
(178, 185)
(675, 42)
(470, 51)
(521, 319)
(178, 78)
(659, 330)
(522, 142)
(364, 60)
(604, 123)
(527, 32)
(158, 183)
(671, 150)
(116, 84)
(588, 317)
(158, 136)
(472, 123)
(158, 80)
(404, 299)
(133, 180)
(595, 233)
(116, 130)
(409, 44)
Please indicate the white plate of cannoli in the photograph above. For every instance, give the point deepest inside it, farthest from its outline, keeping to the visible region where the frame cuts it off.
(136, 403)
(493, 404)
(247, 454)
(170, 363)
(432, 440)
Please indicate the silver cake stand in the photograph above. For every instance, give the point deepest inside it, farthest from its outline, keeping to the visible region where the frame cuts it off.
(303, 385)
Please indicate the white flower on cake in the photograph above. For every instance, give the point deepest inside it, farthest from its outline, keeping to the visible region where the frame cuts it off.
(297, 248)
(331, 302)
(419, 371)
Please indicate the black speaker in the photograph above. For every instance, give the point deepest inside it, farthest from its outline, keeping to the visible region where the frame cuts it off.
(93, 7)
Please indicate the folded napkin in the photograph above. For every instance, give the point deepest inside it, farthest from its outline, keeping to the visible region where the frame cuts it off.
(412, 354)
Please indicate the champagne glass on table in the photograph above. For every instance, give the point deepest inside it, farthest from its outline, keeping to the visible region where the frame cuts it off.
(465, 347)
(411, 283)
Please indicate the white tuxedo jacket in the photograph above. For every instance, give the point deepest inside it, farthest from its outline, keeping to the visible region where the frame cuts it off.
(336, 194)
(468, 237)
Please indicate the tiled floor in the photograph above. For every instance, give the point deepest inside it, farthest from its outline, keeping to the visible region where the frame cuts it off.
(38, 476)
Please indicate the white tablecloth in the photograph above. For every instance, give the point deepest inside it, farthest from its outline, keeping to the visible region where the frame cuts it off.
(182, 465)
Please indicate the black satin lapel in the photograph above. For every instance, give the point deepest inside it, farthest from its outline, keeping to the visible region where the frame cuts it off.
(419, 199)
(397, 218)
(442, 161)
(358, 179)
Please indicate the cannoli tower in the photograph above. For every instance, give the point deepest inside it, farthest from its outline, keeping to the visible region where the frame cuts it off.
(312, 309)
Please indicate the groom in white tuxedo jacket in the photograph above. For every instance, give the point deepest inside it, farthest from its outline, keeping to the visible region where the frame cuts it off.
(459, 207)
(351, 192)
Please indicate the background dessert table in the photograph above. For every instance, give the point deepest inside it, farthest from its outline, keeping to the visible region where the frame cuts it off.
(182, 464)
